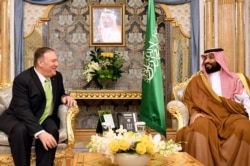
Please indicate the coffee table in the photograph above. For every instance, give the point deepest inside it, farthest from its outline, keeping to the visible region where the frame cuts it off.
(96, 159)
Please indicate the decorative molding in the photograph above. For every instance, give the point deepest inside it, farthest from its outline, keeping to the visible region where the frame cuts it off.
(174, 23)
(32, 13)
(177, 14)
(4, 40)
(105, 94)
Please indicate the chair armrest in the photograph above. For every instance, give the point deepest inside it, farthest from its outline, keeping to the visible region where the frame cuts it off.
(67, 116)
(180, 111)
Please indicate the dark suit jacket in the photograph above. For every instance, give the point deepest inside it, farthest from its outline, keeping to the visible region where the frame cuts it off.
(28, 101)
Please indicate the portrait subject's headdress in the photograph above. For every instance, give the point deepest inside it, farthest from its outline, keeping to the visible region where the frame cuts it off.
(228, 79)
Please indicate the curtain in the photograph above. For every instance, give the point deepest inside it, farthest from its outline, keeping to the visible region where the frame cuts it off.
(44, 2)
(195, 29)
(174, 2)
(18, 36)
(18, 30)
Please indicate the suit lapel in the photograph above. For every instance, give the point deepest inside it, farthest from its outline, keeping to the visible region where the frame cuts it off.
(37, 81)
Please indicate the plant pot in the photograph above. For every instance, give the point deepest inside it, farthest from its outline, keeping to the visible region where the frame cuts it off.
(104, 82)
(127, 159)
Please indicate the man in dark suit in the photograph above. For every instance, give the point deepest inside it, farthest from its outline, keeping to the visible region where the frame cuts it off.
(22, 120)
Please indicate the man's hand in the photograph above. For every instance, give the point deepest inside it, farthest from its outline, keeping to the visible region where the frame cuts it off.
(47, 140)
(69, 101)
(195, 116)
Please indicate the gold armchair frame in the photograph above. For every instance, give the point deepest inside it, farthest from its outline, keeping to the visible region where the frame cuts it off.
(64, 153)
(176, 107)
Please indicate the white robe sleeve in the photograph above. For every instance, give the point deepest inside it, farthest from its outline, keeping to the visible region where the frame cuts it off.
(245, 100)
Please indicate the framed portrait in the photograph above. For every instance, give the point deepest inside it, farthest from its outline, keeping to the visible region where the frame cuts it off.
(107, 25)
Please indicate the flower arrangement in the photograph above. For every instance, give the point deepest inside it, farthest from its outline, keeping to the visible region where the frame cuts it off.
(123, 141)
(103, 66)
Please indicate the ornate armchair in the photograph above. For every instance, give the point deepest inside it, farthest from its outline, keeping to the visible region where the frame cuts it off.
(64, 153)
(176, 107)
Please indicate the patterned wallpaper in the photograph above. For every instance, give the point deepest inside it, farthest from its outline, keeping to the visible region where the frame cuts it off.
(32, 13)
(181, 13)
(69, 36)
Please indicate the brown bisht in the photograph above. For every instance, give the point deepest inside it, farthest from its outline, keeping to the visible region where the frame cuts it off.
(222, 137)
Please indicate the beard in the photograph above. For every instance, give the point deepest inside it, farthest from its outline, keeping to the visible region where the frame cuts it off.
(214, 67)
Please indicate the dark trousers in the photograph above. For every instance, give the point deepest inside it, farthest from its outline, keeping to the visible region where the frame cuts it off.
(21, 142)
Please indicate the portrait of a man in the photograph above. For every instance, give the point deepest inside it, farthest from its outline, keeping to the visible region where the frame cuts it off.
(107, 25)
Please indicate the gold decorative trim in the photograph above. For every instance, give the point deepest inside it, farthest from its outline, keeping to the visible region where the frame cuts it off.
(172, 20)
(71, 115)
(205, 81)
(244, 81)
(177, 113)
(105, 94)
(38, 25)
(5, 84)
(47, 10)
(166, 9)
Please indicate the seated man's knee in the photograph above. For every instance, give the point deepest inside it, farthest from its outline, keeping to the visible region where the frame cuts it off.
(19, 132)
(19, 129)
(202, 124)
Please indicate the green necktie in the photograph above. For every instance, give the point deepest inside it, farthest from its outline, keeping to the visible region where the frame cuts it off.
(48, 94)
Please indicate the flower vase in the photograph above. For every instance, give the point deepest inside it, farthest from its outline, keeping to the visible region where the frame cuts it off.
(127, 159)
(104, 83)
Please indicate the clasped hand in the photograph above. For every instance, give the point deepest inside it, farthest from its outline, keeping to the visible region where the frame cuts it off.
(195, 116)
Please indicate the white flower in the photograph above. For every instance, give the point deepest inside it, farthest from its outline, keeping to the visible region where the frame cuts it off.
(103, 65)
(94, 66)
(90, 70)
(111, 142)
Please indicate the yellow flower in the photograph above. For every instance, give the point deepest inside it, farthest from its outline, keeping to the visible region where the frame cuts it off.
(140, 148)
(150, 148)
(130, 142)
(145, 137)
(104, 66)
(124, 144)
(107, 54)
(148, 144)
(114, 146)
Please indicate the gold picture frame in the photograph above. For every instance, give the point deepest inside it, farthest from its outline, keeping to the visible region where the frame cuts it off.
(107, 25)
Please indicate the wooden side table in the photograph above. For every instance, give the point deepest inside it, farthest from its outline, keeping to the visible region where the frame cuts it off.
(96, 159)
(83, 135)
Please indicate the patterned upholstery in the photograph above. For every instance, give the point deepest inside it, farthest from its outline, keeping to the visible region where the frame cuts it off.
(5, 97)
(179, 92)
(66, 132)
